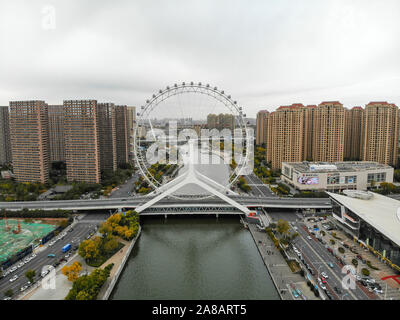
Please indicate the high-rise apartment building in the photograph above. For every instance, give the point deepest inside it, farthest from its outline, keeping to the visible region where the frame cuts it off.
(131, 119)
(261, 127)
(328, 135)
(122, 141)
(5, 142)
(308, 114)
(221, 121)
(285, 135)
(81, 140)
(381, 132)
(56, 132)
(29, 140)
(354, 124)
(106, 127)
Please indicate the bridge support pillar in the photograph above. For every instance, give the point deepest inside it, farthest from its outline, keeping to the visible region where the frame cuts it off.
(165, 216)
(217, 215)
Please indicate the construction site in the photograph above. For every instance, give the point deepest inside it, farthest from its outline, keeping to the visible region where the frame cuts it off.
(17, 234)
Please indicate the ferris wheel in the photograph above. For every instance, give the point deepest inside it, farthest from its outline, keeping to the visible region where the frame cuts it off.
(144, 116)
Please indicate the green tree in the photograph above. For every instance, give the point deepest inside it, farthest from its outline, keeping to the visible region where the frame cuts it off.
(283, 227)
(9, 293)
(30, 275)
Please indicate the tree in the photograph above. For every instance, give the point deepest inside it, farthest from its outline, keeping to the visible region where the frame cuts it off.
(111, 245)
(283, 227)
(30, 275)
(72, 271)
(89, 249)
(9, 293)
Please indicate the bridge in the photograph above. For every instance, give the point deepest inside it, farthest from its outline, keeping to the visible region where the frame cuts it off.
(170, 204)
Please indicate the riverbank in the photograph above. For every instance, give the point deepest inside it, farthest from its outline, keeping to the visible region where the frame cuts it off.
(283, 278)
(119, 259)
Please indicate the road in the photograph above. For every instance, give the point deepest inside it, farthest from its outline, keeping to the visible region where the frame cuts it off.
(318, 256)
(125, 190)
(80, 232)
(258, 188)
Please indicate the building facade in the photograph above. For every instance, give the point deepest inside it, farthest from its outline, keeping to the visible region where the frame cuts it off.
(328, 135)
(5, 142)
(82, 150)
(122, 134)
(336, 176)
(353, 136)
(285, 135)
(29, 131)
(381, 133)
(56, 132)
(107, 136)
(131, 123)
(261, 127)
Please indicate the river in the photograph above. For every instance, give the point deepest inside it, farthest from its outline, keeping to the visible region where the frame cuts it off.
(195, 257)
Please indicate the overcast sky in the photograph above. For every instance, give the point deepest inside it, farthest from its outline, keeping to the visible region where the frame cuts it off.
(264, 53)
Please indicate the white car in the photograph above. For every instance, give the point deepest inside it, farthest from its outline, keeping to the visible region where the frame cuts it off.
(21, 264)
(309, 238)
(13, 269)
(322, 286)
(324, 275)
(33, 255)
(23, 288)
(14, 278)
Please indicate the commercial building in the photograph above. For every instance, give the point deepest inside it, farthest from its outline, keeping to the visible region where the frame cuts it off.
(82, 150)
(5, 142)
(373, 220)
(328, 133)
(29, 133)
(336, 176)
(381, 133)
(56, 132)
(285, 135)
(261, 127)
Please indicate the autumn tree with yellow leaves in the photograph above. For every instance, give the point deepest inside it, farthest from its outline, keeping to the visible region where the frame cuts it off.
(72, 271)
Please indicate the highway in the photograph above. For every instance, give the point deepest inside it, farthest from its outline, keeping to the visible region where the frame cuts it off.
(80, 232)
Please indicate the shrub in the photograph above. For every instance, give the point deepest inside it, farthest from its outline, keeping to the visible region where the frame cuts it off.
(354, 262)
(332, 241)
(341, 250)
(365, 272)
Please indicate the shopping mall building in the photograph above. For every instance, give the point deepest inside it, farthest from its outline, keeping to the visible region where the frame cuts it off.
(372, 219)
(335, 176)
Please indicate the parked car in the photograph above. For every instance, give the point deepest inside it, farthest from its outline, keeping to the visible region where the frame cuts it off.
(330, 264)
(323, 274)
(15, 277)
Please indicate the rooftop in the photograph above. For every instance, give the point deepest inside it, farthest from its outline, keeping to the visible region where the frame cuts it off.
(345, 166)
(383, 213)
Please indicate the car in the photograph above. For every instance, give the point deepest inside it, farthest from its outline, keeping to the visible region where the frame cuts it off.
(15, 277)
(23, 288)
(330, 264)
(62, 260)
(295, 294)
(359, 257)
(309, 238)
(323, 274)
(322, 286)
(322, 279)
(21, 264)
(44, 273)
(13, 269)
(51, 255)
(377, 290)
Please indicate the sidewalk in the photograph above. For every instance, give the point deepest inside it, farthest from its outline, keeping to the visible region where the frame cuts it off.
(278, 269)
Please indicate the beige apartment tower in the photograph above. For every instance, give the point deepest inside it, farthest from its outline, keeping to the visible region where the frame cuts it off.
(261, 127)
(285, 135)
(122, 141)
(29, 140)
(56, 132)
(81, 141)
(353, 131)
(131, 119)
(381, 132)
(106, 127)
(328, 134)
(5, 142)
(308, 115)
